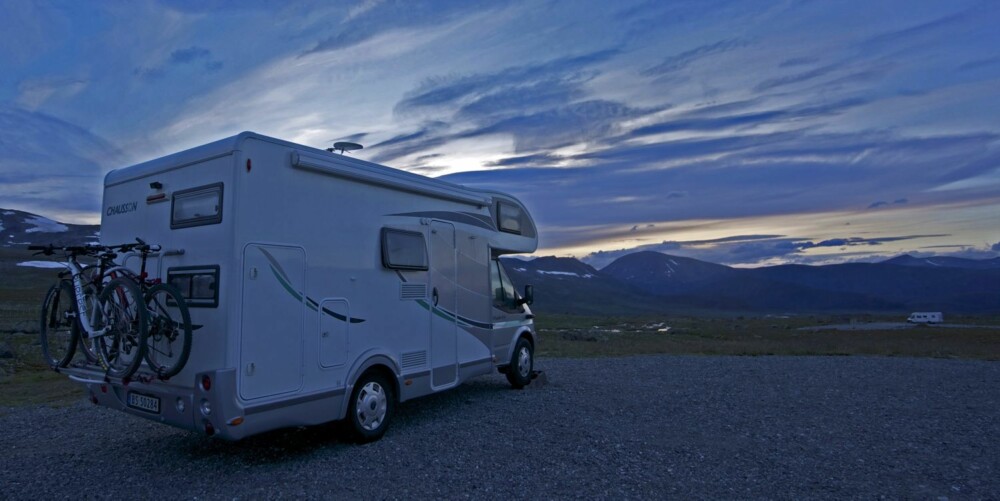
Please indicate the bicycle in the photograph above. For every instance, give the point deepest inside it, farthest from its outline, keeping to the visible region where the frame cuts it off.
(115, 319)
(169, 339)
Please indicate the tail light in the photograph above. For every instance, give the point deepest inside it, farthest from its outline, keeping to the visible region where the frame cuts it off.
(209, 429)
(206, 383)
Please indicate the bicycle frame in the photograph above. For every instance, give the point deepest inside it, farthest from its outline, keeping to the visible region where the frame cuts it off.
(85, 320)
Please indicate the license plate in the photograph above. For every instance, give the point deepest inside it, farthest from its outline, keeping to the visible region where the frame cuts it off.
(144, 402)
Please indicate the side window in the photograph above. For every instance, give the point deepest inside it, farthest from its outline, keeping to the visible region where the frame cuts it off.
(496, 285)
(196, 206)
(504, 296)
(403, 250)
(198, 284)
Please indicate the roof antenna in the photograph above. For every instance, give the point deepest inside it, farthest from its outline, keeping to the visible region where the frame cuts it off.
(344, 146)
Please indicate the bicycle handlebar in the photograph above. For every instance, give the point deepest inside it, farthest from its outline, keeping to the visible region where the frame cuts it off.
(102, 251)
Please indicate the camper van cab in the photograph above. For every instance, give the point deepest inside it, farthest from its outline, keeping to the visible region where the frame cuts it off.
(321, 287)
(926, 317)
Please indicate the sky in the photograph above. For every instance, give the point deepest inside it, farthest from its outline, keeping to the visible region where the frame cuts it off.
(746, 133)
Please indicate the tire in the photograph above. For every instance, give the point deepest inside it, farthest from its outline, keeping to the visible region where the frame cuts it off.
(121, 350)
(370, 408)
(59, 328)
(168, 343)
(522, 362)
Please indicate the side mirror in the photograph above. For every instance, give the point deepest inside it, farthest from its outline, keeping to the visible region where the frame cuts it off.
(529, 295)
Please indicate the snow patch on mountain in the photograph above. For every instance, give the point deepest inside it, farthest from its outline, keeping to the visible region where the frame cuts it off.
(563, 273)
(41, 264)
(44, 225)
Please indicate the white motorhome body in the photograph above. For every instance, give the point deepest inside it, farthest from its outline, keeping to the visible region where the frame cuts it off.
(307, 269)
(925, 317)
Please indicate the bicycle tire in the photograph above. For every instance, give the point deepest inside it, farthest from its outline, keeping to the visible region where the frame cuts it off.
(121, 350)
(168, 343)
(59, 329)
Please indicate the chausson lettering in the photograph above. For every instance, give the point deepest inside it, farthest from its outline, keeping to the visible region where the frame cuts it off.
(124, 208)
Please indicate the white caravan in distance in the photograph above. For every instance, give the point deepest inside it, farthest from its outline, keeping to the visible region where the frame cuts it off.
(925, 317)
(322, 287)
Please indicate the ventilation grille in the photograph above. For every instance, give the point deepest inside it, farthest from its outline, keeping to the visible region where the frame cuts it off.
(414, 359)
(412, 291)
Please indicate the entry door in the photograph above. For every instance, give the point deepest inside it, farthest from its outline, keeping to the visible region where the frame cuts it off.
(272, 320)
(444, 301)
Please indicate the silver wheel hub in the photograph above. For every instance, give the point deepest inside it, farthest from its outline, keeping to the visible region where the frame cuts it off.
(371, 406)
(524, 362)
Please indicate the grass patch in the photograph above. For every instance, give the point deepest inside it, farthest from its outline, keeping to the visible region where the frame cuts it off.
(741, 335)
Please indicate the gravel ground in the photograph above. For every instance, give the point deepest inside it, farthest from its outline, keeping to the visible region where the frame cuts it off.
(638, 427)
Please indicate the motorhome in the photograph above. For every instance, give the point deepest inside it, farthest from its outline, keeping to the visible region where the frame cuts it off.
(926, 317)
(321, 287)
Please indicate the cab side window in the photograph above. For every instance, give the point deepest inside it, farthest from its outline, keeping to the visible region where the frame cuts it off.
(504, 296)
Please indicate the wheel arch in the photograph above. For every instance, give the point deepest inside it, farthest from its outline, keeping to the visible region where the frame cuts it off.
(370, 362)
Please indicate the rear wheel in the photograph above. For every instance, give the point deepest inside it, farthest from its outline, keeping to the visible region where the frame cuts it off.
(59, 329)
(371, 407)
(522, 362)
(169, 341)
(124, 313)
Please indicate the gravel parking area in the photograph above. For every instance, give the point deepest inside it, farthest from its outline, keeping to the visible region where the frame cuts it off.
(637, 427)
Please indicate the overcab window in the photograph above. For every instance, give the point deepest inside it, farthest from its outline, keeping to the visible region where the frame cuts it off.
(403, 250)
(510, 217)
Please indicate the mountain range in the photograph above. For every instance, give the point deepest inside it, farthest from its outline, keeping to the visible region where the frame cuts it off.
(656, 282)
(652, 282)
(19, 229)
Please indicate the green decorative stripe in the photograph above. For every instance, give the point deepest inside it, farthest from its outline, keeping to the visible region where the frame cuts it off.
(310, 303)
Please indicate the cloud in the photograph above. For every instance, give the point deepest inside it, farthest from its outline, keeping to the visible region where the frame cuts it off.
(361, 24)
(798, 61)
(184, 56)
(540, 159)
(703, 120)
(995, 247)
(686, 58)
(745, 249)
(980, 63)
(457, 89)
(773, 83)
(563, 126)
(33, 93)
(180, 58)
(50, 165)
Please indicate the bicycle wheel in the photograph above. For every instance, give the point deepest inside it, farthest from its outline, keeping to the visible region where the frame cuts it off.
(59, 328)
(122, 310)
(169, 341)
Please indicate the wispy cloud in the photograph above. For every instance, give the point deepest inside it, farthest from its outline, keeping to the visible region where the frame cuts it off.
(686, 58)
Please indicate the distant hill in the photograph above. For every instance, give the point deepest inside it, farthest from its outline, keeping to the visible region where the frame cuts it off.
(652, 282)
(566, 285)
(20, 229)
(655, 282)
(945, 262)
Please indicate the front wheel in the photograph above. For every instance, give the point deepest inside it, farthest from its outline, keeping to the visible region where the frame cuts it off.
(123, 313)
(59, 329)
(522, 362)
(371, 407)
(169, 341)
